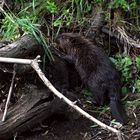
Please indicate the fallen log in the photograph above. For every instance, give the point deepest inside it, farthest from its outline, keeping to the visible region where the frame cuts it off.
(30, 110)
(25, 47)
(20, 48)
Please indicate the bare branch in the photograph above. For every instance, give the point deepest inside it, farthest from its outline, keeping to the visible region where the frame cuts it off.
(15, 60)
(9, 94)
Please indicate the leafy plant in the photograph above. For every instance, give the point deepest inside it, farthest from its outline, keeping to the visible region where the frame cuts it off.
(74, 11)
(27, 23)
(52, 7)
(29, 18)
(124, 63)
(120, 3)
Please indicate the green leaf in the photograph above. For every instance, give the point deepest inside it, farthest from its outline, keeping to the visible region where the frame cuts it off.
(124, 90)
(57, 23)
(52, 7)
(128, 61)
(94, 126)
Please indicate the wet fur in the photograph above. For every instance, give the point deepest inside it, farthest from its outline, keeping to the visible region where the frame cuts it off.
(96, 71)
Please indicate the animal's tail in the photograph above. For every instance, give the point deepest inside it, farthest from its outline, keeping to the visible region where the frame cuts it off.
(118, 111)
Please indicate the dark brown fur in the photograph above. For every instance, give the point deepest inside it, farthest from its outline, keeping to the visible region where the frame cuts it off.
(96, 71)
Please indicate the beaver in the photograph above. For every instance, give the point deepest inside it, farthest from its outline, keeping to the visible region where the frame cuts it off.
(96, 70)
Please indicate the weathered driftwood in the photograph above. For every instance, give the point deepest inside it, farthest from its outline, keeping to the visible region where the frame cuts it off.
(31, 109)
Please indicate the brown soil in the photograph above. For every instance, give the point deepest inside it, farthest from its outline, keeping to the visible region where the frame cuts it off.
(76, 127)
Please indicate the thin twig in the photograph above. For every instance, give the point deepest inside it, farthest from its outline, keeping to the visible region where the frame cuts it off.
(9, 94)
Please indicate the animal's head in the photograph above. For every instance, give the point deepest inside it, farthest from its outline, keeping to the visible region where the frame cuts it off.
(68, 40)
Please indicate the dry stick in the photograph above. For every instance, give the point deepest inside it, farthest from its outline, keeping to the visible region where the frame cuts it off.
(12, 60)
(9, 94)
(34, 64)
(15, 60)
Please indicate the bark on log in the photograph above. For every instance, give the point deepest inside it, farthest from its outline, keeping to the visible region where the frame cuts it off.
(31, 109)
(20, 48)
(95, 23)
(25, 47)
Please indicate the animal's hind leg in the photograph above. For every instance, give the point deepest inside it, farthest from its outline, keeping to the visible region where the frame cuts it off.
(98, 97)
(99, 91)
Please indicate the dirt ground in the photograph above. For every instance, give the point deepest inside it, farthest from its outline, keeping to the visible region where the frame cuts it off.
(76, 127)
